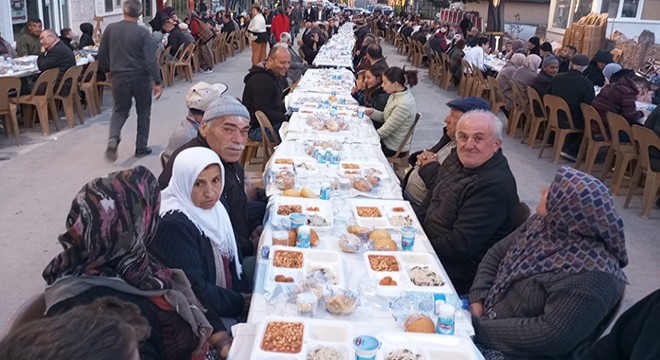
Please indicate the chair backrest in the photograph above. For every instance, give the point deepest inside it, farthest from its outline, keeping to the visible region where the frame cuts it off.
(645, 139)
(518, 100)
(618, 124)
(265, 124)
(409, 136)
(553, 105)
(179, 51)
(45, 83)
(466, 67)
(7, 84)
(71, 76)
(536, 107)
(592, 121)
(90, 74)
(187, 53)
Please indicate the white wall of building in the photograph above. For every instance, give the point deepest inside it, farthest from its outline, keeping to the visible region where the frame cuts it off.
(5, 21)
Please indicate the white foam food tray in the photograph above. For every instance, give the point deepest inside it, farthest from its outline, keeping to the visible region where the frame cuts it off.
(393, 213)
(316, 333)
(348, 168)
(299, 165)
(308, 206)
(312, 259)
(406, 261)
(430, 346)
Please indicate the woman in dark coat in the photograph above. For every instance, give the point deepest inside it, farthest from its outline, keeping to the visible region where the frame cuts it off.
(311, 47)
(87, 36)
(534, 46)
(196, 236)
(542, 291)
(594, 70)
(372, 95)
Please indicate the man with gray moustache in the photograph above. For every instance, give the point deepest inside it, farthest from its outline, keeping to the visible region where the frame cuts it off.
(224, 129)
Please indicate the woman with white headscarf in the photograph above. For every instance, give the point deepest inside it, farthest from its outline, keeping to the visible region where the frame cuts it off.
(524, 75)
(196, 236)
(505, 77)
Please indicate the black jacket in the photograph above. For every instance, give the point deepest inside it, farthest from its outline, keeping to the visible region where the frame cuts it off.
(263, 92)
(229, 27)
(233, 194)
(59, 56)
(573, 87)
(469, 211)
(595, 74)
(541, 83)
(310, 53)
(176, 39)
(179, 244)
(66, 42)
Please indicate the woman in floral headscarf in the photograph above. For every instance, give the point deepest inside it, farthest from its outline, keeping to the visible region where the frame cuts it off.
(111, 221)
(543, 290)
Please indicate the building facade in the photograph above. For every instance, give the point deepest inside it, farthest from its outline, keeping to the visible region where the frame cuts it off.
(629, 17)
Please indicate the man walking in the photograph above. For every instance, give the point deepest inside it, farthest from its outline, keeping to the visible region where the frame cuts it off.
(128, 55)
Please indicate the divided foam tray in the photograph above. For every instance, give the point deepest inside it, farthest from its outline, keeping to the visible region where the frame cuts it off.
(316, 333)
(430, 346)
(356, 168)
(311, 260)
(308, 207)
(405, 262)
(393, 213)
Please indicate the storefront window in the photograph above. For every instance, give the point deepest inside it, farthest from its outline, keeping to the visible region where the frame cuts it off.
(21, 11)
(611, 7)
(629, 8)
(562, 12)
(582, 8)
(651, 10)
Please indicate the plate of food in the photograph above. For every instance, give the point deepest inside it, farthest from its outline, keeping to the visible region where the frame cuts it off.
(289, 265)
(418, 346)
(318, 212)
(303, 338)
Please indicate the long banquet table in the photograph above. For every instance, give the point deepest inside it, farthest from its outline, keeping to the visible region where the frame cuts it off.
(312, 102)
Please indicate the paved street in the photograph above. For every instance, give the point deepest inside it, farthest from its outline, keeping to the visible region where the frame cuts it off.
(40, 178)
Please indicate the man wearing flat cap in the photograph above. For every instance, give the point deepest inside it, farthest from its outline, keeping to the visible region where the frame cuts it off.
(427, 163)
(224, 129)
(574, 88)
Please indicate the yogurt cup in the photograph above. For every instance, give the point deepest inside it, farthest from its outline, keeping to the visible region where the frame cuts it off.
(366, 347)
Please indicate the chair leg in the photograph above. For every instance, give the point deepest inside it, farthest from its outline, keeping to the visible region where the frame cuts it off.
(607, 165)
(582, 152)
(78, 108)
(54, 113)
(560, 138)
(592, 153)
(545, 140)
(42, 111)
(633, 185)
(619, 170)
(651, 185)
(14, 122)
(67, 104)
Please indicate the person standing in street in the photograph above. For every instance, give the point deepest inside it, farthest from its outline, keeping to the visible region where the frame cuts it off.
(295, 16)
(258, 35)
(127, 55)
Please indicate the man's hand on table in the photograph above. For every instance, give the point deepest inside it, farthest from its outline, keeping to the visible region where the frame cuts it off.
(426, 157)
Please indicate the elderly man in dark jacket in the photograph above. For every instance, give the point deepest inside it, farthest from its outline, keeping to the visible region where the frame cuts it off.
(224, 130)
(55, 54)
(549, 68)
(473, 205)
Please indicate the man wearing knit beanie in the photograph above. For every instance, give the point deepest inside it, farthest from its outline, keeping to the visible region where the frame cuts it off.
(549, 68)
(224, 129)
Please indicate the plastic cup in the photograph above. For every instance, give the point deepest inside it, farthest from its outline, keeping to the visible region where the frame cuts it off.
(408, 234)
(361, 112)
(297, 220)
(280, 237)
(366, 347)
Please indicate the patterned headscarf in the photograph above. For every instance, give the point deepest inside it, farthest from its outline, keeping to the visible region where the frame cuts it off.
(581, 232)
(111, 221)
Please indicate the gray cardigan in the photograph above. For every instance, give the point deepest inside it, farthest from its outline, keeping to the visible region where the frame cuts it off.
(398, 117)
(545, 316)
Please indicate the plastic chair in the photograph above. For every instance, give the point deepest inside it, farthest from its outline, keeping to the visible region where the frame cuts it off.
(40, 98)
(163, 57)
(537, 117)
(268, 145)
(591, 146)
(496, 98)
(465, 83)
(8, 105)
(447, 79)
(196, 58)
(553, 105)
(519, 112)
(625, 153)
(87, 85)
(479, 84)
(71, 99)
(184, 63)
(399, 160)
(645, 139)
(229, 44)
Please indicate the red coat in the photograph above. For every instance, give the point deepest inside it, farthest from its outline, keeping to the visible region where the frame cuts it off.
(281, 23)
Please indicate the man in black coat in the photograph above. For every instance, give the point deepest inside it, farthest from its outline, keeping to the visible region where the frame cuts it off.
(224, 129)
(263, 91)
(473, 205)
(55, 54)
(309, 14)
(228, 26)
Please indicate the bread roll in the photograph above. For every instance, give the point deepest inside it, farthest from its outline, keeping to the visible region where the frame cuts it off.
(291, 193)
(308, 193)
(379, 234)
(384, 245)
(362, 184)
(313, 237)
(420, 324)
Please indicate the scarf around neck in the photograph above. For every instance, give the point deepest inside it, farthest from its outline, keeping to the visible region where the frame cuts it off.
(581, 232)
(213, 223)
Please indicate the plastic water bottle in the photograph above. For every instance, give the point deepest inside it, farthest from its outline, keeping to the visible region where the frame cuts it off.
(325, 191)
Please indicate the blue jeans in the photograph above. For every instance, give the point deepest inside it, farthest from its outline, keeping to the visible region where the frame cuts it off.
(255, 133)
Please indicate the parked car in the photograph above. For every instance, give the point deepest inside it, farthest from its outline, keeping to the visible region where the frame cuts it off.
(387, 10)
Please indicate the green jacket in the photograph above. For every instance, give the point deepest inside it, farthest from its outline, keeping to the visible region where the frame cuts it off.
(398, 117)
(27, 44)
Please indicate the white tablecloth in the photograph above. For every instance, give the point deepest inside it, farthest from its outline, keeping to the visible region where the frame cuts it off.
(338, 50)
